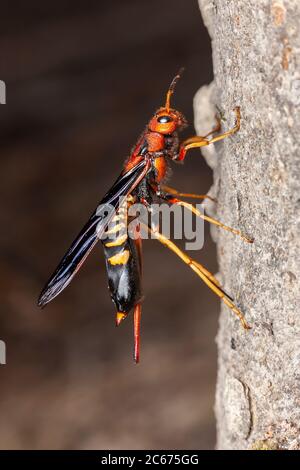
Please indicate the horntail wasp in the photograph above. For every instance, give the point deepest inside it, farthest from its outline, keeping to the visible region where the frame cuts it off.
(141, 180)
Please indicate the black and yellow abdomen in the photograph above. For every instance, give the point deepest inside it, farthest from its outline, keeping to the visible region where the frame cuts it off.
(122, 264)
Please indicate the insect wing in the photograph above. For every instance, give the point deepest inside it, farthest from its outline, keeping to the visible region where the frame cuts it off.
(91, 232)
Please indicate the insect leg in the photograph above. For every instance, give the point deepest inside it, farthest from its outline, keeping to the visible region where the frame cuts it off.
(199, 141)
(175, 192)
(234, 129)
(217, 127)
(195, 211)
(229, 229)
(209, 275)
(202, 273)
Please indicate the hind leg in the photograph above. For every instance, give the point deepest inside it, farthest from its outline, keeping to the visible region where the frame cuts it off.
(206, 277)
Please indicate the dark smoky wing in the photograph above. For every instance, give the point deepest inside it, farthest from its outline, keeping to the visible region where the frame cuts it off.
(90, 234)
(71, 261)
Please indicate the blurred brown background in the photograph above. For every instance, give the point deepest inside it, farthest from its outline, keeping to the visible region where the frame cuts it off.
(83, 78)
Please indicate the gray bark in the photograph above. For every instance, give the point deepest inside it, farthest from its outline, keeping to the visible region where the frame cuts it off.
(256, 56)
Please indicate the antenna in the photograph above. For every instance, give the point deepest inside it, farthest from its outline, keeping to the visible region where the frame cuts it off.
(172, 87)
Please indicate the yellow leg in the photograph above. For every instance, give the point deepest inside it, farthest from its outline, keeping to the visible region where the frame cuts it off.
(207, 273)
(210, 281)
(199, 141)
(217, 127)
(235, 129)
(174, 192)
(212, 221)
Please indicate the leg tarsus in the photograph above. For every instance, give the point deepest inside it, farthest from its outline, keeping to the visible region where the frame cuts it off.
(244, 237)
(212, 221)
(199, 141)
(217, 127)
(234, 129)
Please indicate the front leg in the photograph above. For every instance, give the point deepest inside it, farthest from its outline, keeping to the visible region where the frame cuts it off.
(202, 141)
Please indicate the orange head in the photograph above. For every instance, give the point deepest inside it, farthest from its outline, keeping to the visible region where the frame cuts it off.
(166, 120)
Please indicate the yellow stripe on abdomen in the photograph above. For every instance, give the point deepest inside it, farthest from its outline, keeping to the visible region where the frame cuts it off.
(115, 229)
(119, 258)
(117, 242)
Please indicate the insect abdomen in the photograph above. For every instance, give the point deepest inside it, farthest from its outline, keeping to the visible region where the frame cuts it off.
(122, 264)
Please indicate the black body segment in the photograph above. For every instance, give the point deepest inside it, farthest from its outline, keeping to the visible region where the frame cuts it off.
(124, 278)
(123, 264)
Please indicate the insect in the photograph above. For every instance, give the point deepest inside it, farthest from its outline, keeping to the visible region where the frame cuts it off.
(142, 179)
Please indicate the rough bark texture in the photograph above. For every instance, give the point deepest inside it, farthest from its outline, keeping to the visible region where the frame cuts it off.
(256, 54)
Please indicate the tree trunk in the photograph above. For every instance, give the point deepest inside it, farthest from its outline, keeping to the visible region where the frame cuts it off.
(256, 48)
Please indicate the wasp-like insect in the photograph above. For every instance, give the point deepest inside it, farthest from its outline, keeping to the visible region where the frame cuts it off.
(141, 180)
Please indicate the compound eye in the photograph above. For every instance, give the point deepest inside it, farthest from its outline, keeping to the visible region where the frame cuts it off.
(164, 119)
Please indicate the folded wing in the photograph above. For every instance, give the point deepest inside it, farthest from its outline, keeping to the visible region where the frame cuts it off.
(91, 232)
